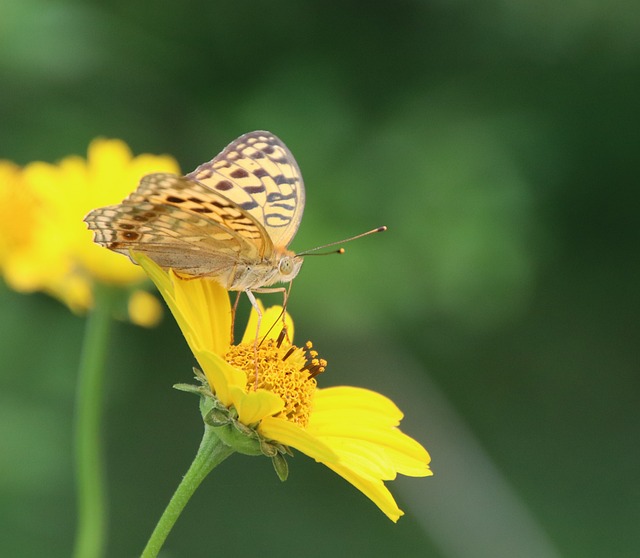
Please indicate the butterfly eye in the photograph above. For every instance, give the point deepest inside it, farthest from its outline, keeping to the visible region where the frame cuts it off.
(285, 266)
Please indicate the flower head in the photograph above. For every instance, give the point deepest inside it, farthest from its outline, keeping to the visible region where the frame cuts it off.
(45, 246)
(353, 431)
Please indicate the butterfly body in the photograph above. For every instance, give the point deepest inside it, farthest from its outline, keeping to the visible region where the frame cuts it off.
(251, 275)
(231, 219)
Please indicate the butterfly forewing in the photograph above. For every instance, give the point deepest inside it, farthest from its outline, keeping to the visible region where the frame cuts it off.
(180, 224)
(194, 198)
(258, 172)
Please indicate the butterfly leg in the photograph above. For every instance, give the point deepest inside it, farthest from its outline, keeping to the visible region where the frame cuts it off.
(233, 316)
(256, 307)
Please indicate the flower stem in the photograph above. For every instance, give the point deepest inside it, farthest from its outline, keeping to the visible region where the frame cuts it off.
(91, 522)
(212, 452)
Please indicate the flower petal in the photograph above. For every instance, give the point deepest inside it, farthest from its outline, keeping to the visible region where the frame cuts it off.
(253, 406)
(290, 434)
(270, 316)
(348, 397)
(205, 305)
(371, 487)
(201, 307)
(360, 426)
(222, 377)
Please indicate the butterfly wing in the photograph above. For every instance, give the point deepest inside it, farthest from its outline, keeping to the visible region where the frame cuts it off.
(181, 224)
(261, 176)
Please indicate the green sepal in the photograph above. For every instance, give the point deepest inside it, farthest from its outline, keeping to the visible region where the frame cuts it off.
(281, 466)
(216, 417)
(189, 388)
(268, 448)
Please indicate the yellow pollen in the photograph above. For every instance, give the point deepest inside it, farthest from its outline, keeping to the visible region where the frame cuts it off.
(286, 370)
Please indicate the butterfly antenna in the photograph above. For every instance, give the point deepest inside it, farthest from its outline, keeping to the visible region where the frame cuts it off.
(340, 250)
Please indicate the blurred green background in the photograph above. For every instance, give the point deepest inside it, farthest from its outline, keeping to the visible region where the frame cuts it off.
(497, 140)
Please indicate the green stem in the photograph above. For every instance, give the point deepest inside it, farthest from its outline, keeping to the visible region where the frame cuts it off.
(91, 526)
(212, 452)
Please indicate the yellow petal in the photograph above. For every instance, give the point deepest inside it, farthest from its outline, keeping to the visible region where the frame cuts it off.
(362, 457)
(205, 305)
(405, 455)
(253, 406)
(290, 434)
(373, 488)
(348, 397)
(269, 325)
(201, 307)
(408, 465)
(222, 377)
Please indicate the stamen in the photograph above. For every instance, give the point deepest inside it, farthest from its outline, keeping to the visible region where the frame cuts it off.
(289, 352)
(315, 371)
(314, 367)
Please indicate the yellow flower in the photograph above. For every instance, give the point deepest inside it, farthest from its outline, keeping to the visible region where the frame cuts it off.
(353, 431)
(44, 244)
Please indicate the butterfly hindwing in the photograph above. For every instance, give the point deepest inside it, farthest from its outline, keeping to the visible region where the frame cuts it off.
(258, 172)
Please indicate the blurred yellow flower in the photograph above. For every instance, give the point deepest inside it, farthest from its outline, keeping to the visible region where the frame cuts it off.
(44, 243)
(353, 431)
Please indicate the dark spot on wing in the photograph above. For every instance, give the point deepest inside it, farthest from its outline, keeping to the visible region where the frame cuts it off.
(276, 220)
(224, 185)
(260, 173)
(277, 196)
(254, 189)
(249, 205)
(175, 199)
(239, 173)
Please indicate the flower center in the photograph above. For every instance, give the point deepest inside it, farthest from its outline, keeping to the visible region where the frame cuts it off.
(283, 369)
